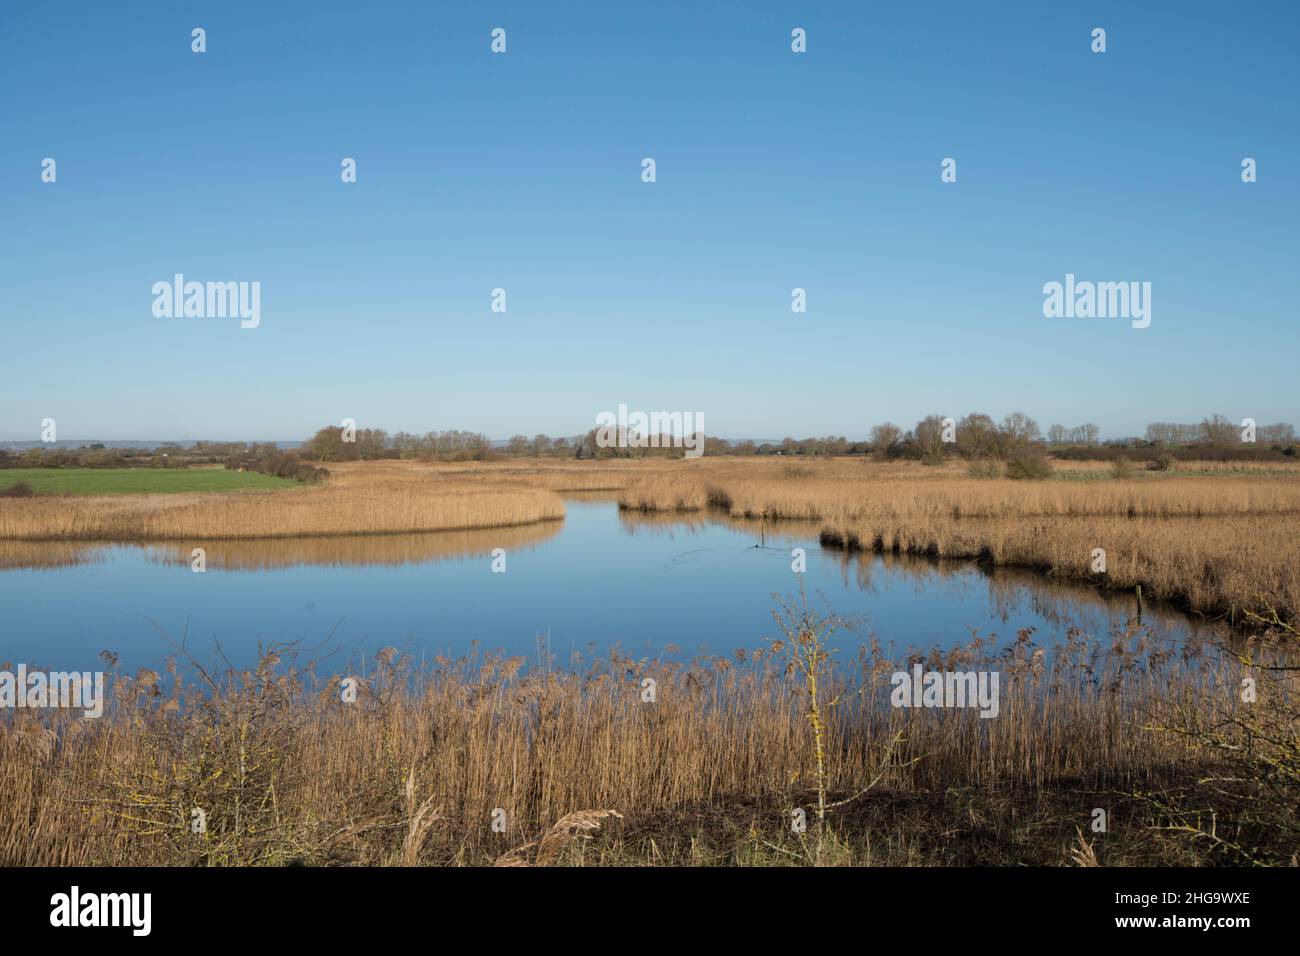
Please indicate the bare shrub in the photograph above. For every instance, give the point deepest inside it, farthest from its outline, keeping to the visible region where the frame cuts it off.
(1122, 469)
(1028, 462)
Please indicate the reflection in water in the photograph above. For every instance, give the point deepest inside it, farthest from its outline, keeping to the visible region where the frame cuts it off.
(785, 533)
(600, 578)
(49, 554)
(1013, 593)
(1010, 593)
(386, 549)
(269, 553)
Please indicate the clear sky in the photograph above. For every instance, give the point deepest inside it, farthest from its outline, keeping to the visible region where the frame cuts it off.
(775, 170)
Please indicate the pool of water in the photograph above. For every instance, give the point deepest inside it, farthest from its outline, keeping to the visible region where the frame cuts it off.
(600, 578)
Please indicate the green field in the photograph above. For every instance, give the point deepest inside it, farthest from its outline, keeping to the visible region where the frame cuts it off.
(136, 481)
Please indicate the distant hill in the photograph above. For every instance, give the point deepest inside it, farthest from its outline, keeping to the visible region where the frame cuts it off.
(148, 444)
(151, 443)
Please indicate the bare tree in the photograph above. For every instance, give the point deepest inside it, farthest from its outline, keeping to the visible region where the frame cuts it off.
(1017, 430)
(327, 444)
(1277, 432)
(885, 437)
(1217, 431)
(977, 436)
(929, 439)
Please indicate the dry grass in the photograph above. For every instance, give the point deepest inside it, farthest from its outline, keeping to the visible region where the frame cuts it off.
(411, 773)
(851, 489)
(572, 826)
(374, 498)
(1218, 567)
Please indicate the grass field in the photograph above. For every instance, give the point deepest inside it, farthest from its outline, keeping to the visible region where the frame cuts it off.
(136, 481)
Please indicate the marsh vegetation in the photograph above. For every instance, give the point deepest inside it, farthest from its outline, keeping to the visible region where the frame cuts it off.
(425, 756)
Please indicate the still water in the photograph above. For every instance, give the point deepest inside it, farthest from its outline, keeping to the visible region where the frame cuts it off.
(652, 587)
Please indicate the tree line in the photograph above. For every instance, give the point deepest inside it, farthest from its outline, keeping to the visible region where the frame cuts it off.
(975, 437)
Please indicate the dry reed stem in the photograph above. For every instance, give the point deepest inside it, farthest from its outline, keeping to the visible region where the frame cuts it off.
(285, 770)
(578, 825)
(419, 820)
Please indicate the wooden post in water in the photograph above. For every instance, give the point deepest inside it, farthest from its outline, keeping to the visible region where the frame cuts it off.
(1138, 592)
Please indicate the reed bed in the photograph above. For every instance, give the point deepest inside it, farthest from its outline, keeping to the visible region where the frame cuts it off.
(416, 769)
(810, 492)
(1220, 567)
(377, 499)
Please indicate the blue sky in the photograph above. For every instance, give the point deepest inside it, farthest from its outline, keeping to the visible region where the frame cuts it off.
(522, 171)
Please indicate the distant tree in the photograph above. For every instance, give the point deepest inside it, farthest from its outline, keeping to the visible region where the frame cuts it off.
(586, 447)
(929, 439)
(370, 445)
(406, 445)
(1016, 431)
(977, 436)
(1218, 432)
(884, 438)
(326, 445)
(1280, 432)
